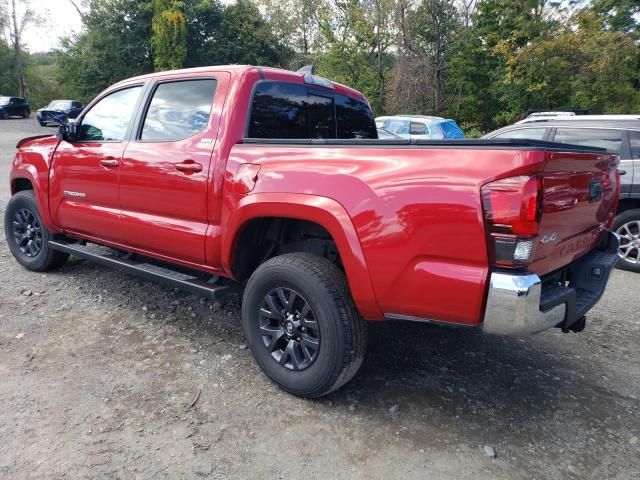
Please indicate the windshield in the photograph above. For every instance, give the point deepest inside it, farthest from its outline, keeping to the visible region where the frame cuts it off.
(4, 100)
(60, 104)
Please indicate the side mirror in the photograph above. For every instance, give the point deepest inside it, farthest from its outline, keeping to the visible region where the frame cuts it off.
(68, 131)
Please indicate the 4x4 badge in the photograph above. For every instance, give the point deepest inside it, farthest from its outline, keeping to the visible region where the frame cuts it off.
(549, 237)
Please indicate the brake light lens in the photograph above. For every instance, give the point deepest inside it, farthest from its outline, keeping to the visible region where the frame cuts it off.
(512, 210)
(513, 204)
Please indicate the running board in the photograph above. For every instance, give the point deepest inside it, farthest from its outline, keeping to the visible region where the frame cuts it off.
(143, 268)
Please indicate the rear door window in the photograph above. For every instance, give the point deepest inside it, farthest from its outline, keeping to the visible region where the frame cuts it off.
(178, 110)
(611, 140)
(418, 128)
(525, 133)
(287, 110)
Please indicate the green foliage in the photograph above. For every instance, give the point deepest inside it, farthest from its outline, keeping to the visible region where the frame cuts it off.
(484, 63)
(169, 40)
(115, 45)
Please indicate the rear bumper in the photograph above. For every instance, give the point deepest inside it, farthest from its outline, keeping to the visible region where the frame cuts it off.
(523, 303)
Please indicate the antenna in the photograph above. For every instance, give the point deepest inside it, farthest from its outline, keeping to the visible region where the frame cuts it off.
(307, 70)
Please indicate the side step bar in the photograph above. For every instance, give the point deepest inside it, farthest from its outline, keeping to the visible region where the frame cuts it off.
(142, 268)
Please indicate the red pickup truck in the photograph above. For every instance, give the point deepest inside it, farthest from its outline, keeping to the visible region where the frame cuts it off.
(206, 176)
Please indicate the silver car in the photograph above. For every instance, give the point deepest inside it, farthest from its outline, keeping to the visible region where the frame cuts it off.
(420, 127)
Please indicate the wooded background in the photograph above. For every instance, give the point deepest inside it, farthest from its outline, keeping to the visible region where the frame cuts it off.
(484, 63)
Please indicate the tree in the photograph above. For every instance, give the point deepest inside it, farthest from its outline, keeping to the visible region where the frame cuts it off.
(427, 32)
(169, 40)
(114, 45)
(16, 22)
(244, 37)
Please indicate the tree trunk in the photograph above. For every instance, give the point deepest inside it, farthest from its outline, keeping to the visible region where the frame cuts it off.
(379, 48)
(17, 48)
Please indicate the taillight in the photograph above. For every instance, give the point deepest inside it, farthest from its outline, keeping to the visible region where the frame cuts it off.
(512, 209)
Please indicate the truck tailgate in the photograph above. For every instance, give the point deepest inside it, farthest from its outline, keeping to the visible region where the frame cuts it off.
(580, 191)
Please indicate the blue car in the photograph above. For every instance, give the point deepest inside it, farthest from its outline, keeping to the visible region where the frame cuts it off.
(59, 111)
(420, 127)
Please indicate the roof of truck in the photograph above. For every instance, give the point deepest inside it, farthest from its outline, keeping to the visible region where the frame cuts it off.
(267, 73)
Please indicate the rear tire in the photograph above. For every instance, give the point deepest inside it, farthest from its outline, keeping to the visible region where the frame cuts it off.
(27, 237)
(627, 226)
(42, 124)
(301, 324)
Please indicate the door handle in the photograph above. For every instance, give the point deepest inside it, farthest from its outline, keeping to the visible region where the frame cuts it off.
(109, 163)
(188, 167)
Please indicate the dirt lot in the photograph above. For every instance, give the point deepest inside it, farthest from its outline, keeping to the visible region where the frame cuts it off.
(98, 371)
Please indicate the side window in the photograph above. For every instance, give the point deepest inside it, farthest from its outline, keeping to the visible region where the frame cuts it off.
(418, 128)
(109, 119)
(634, 143)
(76, 105)
(611, 140)
(399, 127)
(179, 110)
(13, 101)
(528, 133)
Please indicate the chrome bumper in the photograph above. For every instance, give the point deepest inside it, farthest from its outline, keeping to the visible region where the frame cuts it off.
(513, 306)
(519, 304)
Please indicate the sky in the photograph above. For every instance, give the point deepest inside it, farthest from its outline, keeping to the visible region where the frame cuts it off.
(60, 19)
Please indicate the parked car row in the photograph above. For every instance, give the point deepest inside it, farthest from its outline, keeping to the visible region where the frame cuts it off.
(57, 112)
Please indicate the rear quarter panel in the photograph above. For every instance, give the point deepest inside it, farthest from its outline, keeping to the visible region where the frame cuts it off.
(416, 212)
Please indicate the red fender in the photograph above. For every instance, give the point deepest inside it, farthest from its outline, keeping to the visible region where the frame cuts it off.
(321, 210)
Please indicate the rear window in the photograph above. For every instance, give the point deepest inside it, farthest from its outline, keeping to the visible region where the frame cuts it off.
(287, 110)
(451, 130)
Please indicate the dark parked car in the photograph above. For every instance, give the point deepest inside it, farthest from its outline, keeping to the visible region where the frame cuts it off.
(58, 111)
(621, 137)
(14, 107)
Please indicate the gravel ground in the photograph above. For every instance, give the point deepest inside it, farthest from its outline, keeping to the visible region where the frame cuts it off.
(103, 375)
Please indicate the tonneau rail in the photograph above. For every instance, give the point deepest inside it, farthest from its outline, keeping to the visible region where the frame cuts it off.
(491, 143)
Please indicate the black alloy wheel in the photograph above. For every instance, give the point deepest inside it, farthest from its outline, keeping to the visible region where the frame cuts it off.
(28, 237)
(27, 232)
(301, 324)
(289, 329)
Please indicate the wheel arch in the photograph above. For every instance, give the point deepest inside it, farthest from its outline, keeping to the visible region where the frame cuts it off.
(323, 212)
(628, 204)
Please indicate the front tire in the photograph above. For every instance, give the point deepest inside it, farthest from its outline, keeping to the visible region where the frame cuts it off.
(27, 237)
(301, 324)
